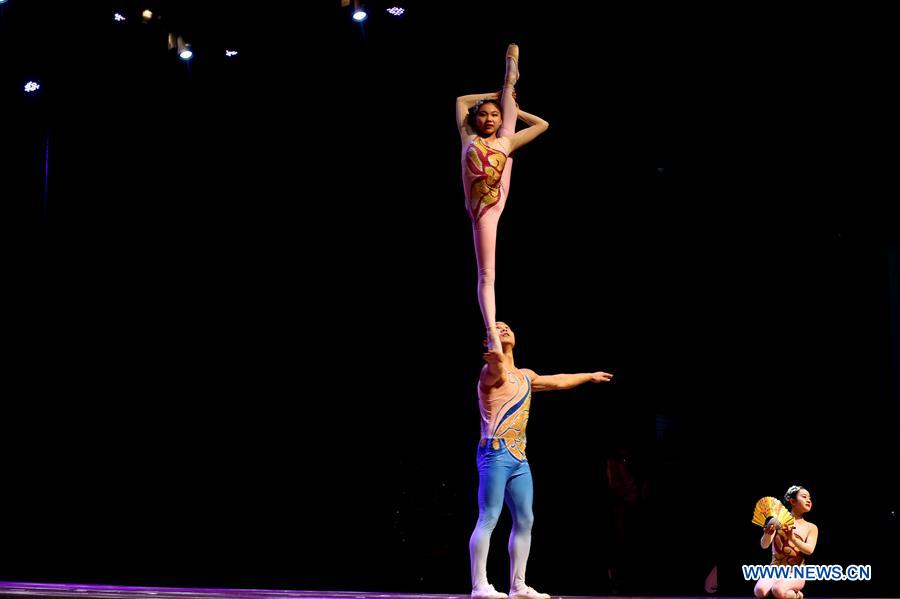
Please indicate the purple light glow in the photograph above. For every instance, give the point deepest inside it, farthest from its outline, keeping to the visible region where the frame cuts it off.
(43, 590)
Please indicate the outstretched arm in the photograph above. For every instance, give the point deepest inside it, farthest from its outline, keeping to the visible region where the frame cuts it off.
(536, 126)
(559, 382)
(463, 104)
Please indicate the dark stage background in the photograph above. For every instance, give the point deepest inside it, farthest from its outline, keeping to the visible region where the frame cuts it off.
(243, 330)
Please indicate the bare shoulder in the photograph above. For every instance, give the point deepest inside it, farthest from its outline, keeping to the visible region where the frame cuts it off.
(808, 529)
(529, 373)
(504, 144)
(484, 374)
(466, 136)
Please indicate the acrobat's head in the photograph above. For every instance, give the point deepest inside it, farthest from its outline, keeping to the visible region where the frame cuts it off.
(485, 117)
(798, 499)
(507, 337)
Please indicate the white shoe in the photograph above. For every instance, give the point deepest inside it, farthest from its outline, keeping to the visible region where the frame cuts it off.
(489, 592)
(527, 593)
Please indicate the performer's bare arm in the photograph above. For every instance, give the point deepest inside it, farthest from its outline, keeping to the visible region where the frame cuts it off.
(559, 382)
(809, 545)
(536, 126)
(768, 536)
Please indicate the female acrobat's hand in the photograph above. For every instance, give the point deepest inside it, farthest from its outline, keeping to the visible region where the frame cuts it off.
(601, 377)
(492, 357)
(787, 533)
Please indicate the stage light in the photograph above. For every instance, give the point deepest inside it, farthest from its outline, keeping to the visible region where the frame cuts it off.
(32, 87)
(396, 11)
(230, 53)
(359, 16)
(181, 47)
(147, 15)
(118, 17)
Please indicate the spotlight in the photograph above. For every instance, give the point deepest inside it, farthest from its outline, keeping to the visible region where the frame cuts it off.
(118, 17)
(181, 47)
(396, 11)
(147, 15)
(359, 16)
(31, 87)
(230, 53)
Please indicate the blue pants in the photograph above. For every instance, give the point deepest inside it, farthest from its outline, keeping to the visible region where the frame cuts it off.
(501, 477)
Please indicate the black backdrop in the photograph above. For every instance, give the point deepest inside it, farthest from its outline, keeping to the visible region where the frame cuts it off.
(244, 329)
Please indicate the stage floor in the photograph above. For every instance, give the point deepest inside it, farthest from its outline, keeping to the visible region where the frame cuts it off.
(40, 590)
